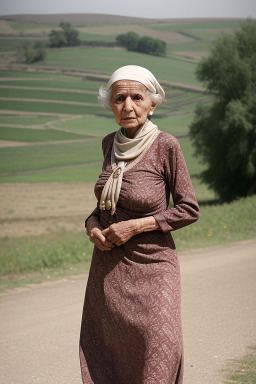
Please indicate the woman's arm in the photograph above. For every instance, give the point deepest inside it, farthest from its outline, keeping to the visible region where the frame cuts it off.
(186, 209)
(120, 233)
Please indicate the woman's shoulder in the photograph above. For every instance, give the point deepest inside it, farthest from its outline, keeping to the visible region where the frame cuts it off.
(167, 140)
(108, 140)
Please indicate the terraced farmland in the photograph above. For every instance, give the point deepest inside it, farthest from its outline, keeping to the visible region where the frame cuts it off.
(51, 127)
(51, 121)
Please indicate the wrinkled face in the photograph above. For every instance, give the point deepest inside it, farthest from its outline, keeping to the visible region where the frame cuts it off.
(131, 105)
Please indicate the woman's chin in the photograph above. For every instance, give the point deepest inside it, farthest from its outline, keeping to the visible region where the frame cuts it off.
(130, 123)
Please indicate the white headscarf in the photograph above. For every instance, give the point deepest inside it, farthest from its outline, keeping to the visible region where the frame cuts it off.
(137, 73)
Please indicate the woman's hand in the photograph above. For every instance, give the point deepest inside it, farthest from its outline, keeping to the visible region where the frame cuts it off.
(120, 233)
(94, 231)
(97, 238)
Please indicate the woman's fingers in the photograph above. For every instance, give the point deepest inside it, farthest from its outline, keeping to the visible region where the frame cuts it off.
(120, 233)
(100, 241)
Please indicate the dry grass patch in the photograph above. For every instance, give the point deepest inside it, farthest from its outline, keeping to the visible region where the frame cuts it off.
(7, 144)
(6, 28)
(33, 209)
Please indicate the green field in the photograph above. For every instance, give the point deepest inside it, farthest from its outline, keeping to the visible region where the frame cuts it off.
(49, 134)
(18, 159)
(27, 121)
(170, 69)
(48, 95)
(37, 135)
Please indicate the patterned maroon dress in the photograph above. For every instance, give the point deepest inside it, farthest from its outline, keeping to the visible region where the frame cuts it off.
(131, 327)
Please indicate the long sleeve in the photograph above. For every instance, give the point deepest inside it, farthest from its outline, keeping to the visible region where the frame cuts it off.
(95, 213)
(186, 209)
(106, 148)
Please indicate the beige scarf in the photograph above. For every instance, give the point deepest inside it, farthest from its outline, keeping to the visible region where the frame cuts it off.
(125, 149)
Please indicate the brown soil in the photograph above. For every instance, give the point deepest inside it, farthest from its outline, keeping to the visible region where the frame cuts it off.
(32, 209)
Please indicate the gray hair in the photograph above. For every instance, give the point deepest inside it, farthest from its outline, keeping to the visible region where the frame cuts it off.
(105, 96)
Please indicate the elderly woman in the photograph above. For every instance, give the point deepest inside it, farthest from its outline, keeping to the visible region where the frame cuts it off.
(131, 327)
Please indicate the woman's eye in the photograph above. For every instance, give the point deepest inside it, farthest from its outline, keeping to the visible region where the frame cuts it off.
(138, 97)
(120, 98)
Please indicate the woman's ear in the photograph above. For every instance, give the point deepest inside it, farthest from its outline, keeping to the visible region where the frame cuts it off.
(152, 108)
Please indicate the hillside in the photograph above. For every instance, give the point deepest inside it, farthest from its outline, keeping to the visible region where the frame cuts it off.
(78, 19)
(95, 19)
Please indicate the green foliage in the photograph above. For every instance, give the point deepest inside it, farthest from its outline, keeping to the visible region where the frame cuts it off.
(145, 44)
(66, 37)
(29, 52)
(151, 46)
(224, 134)
(57, 39)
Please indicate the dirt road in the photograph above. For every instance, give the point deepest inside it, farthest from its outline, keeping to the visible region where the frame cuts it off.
(40, 324)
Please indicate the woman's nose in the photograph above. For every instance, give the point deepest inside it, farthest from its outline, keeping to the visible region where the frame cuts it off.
(128, 104)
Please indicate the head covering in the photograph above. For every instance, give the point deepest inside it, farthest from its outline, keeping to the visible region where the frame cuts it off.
(137, 73)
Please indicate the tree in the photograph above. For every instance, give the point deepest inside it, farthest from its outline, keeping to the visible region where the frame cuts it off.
(133, 42)
(31, 52)
(70, 34)
(67, 36)
(151, 46)
(57, 39)
(128, 40)
(224, 133)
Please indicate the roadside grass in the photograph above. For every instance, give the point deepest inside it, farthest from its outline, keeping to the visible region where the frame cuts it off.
(243, 371)
(45, 254)
(219, 224)
(37, 135)
(35, 253)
